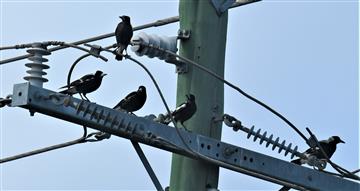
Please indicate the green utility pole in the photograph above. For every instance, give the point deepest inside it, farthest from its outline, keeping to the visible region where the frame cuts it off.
(205, 46)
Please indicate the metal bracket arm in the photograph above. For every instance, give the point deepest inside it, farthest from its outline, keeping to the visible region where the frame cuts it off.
(165, 137)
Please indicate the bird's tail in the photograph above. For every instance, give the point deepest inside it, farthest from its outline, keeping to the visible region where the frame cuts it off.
(64, 91)
(296, 161)
(118, 53)
(66, 86)
(118, 57)
(67, 91)
(284, 188)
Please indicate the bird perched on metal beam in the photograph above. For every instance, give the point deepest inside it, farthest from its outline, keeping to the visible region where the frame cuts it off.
(133, 101)
(329, 147)
(183, 112)
(123, 34)
(85, 84)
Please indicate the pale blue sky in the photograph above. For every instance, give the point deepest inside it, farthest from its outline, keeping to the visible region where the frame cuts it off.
(300, 57)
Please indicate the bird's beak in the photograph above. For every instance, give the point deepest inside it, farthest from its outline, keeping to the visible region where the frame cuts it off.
(103, 74)
(121, 17)
(341, 141)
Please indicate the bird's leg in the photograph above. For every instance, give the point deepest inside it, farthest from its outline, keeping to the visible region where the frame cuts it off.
(81, 96)
(87, 99)
(131, 113)
(115, 51)
(185, 127)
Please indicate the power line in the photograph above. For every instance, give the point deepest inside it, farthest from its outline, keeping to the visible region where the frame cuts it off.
(335, 166)
(341, 170)
(164, 102)
(231, 85)
(157, 23)
(338, 168)
(188, 149)
(51, 43)
(84, 139)
(100, 37)
(43, 150)
(46, 149)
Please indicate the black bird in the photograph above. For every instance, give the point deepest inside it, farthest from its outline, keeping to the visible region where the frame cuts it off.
(123, 34)
(184, 111)
(329, 147)
(133, 101)
(85, 84)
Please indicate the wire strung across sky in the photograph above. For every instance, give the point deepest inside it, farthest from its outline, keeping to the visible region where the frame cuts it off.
(84, 139)
(157, 23)
(99, 136)
(231, 85)
(198, 155)
(338, 168)
(191, 151)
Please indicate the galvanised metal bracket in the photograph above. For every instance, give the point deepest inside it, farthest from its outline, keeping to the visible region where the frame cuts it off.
(181, 66)
(222, 5)
(183, 34)
(165, 137)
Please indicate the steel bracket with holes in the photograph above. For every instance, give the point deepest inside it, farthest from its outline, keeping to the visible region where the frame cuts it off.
(40, 100)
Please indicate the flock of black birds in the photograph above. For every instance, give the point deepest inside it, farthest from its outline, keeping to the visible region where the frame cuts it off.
(135, 100)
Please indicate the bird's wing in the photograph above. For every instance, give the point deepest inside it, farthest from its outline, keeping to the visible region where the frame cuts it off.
(118, 32)
(84, 78)
(63, 87)
(80, 81)
(125, 100)
(316, 151)
(179, 108)
(123, 34)
(130, 95)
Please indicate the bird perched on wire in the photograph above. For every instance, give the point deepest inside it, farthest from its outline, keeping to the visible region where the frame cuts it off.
(123, 34)
(85, 84)
(133, 101)
(329, 147)
(183, 112)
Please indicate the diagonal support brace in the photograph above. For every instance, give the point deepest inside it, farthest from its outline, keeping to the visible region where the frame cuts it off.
(147, 166)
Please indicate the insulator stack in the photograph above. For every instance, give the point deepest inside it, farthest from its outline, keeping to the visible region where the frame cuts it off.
(36, 66)
(164, 42)
(269, 140)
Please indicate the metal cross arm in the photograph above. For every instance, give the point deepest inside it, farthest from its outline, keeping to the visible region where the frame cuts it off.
(161, 136)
